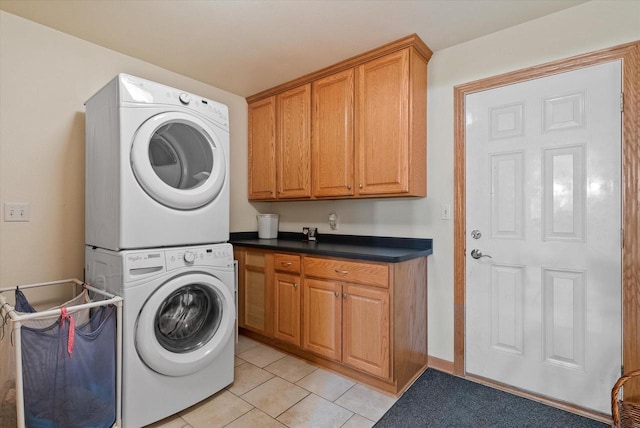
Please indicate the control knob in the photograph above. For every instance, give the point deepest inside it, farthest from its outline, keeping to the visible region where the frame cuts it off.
(185, 98)
(189, 257)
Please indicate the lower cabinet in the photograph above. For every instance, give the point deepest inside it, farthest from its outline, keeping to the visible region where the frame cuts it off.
(367, 320)
(347, 323)
(323, 318)
(287, 308)
(255, 291)
(365, 329)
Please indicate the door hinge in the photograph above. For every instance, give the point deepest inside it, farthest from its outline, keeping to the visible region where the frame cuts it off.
(621, 101)
(622, 238)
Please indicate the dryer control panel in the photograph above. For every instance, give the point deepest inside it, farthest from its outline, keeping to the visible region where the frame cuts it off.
(135, 90)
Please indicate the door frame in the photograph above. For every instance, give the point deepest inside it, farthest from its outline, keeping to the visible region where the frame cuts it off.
(630, 55)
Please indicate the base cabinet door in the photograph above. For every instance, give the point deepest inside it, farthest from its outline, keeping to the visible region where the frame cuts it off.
(255, 293)
(366, 329)
(286, 326)
(323, 318)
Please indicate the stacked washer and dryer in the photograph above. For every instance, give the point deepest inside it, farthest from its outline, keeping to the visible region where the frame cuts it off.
(156, 226)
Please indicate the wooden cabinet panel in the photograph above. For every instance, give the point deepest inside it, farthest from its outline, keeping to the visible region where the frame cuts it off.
(293, 163)
(287, 308)
(255, 292)
(286, 263)
(369, 322)
(332, 135)
(323, 318)
(367, 125)
(254, 302)
(382, 146)
(348, 271)
(262, 149)
(365, 312)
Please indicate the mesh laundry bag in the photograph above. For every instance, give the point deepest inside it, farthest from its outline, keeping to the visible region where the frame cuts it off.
(69, 369)
(8, 357)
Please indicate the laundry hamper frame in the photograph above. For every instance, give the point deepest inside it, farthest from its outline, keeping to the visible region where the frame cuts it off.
(9, 311)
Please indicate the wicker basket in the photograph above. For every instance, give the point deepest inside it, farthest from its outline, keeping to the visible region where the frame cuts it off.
(625, 414)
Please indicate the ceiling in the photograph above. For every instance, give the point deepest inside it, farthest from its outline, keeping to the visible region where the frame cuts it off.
(246, 46)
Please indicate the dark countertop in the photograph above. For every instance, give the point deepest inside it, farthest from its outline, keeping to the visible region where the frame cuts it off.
(372, 248)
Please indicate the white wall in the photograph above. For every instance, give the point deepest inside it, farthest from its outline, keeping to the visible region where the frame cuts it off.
(45, 77)
(585, 28)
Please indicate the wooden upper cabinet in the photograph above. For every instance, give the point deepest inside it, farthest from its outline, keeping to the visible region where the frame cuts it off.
(367, 125)
(332, 136)
(262, 149)
(293, 163)
(383, 125)
(391, 117)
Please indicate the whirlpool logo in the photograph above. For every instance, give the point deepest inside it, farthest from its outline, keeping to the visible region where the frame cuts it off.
(136, 257)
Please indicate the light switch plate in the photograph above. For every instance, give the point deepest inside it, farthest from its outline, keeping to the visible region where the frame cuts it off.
(445, 212)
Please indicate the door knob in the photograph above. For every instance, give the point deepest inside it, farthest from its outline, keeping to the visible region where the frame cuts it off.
(477, 254)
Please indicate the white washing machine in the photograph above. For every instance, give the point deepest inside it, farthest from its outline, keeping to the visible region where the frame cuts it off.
(157, 167)
(178, 324)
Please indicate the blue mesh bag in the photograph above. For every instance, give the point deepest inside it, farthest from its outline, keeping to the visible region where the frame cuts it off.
(69, 369)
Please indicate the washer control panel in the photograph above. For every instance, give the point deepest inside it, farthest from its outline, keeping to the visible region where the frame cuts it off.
(205, 255)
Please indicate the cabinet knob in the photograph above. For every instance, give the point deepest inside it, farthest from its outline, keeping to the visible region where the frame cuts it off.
(344, 296)
(336, 293)
(295, 285)
(342, 272)
(286, 264)
(360, 185)
(348, 186)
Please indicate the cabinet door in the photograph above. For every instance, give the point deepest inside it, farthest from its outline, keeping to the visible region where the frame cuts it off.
(262, 149)
(366, 330)
(294, 143)
(323, 318)
(382, 144)
(287, 308)
(255, 294)
(332, 135)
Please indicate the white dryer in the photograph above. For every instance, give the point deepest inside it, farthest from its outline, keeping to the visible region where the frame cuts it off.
(157, 167)
(178, 324)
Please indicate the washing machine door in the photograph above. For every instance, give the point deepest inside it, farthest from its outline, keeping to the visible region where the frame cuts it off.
(185, 324)
(179, 160)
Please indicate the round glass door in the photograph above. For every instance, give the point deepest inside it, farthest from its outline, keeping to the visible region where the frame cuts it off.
(178, 161)
(188, 318)
(185, 324)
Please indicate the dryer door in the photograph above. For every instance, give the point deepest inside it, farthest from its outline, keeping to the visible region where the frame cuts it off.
(178, 160)
(185, 324)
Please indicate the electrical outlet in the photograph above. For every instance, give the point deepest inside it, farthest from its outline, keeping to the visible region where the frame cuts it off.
(16, 212)
(333, 221)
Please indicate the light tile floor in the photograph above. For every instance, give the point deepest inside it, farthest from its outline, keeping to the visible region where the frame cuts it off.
(274, 389)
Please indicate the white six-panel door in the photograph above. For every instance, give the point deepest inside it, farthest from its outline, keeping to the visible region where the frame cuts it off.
(543, 286)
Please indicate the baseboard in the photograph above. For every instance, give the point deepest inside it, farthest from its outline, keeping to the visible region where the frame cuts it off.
(440, 364)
